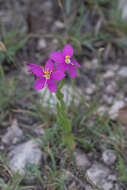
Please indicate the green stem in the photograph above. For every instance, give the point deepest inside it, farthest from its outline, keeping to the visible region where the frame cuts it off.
(63, 120)
(2, 72)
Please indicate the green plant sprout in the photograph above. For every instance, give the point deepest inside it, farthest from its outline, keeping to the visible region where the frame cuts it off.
(48, 76)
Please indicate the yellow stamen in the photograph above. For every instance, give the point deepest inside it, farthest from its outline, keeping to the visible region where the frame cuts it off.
(47, 73)
(67, 59)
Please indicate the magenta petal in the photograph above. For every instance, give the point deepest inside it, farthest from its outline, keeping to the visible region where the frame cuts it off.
(72, 71)
(52, 85)
(68, 50)
(35, 69)
(57, 57)
(30, 70)
(75, 63)
(30, 64)
(57, 75)
(49, 65)
(61, 67)
(40, 83)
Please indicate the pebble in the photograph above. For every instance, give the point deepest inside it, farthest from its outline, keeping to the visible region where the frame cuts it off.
(109, 157)
(93, 64)
(42, 44)
(91, 89)
(81, 159)
(39, 131)
(112, 178)
(102, 110)
(110, 89)
(108, 74)
(123, 72)
(59, 24)
(108, 99)
(107, 186)
(13, 135)
(97, 175)
(115, 108)
(23, 155)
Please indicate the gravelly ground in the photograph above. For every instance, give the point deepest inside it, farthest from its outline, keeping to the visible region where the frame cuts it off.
(94, 169)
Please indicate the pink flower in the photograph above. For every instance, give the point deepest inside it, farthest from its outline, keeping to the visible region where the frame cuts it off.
(65, 60)
(46, 75)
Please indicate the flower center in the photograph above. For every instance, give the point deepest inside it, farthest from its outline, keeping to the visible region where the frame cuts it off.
(47, 73)
(67, 59)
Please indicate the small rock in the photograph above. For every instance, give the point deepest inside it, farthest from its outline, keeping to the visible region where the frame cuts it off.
(112, 178)
(93, 64)
(97, 175)
(66, 174)
(118, 187)
(102, 110)
(107, 186)
(111, 88)
(108, 74)
(55, 41)
(23, 155)
(90, 90)
(87, 98)
(13, 135)
(108, 157)
(2, 147)
(81, 159)
(123, 72)
(120, 96)
(59, 24)
(113, 67)
(42, 44)
(115, 108)
(108, 99)
(39, 131)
